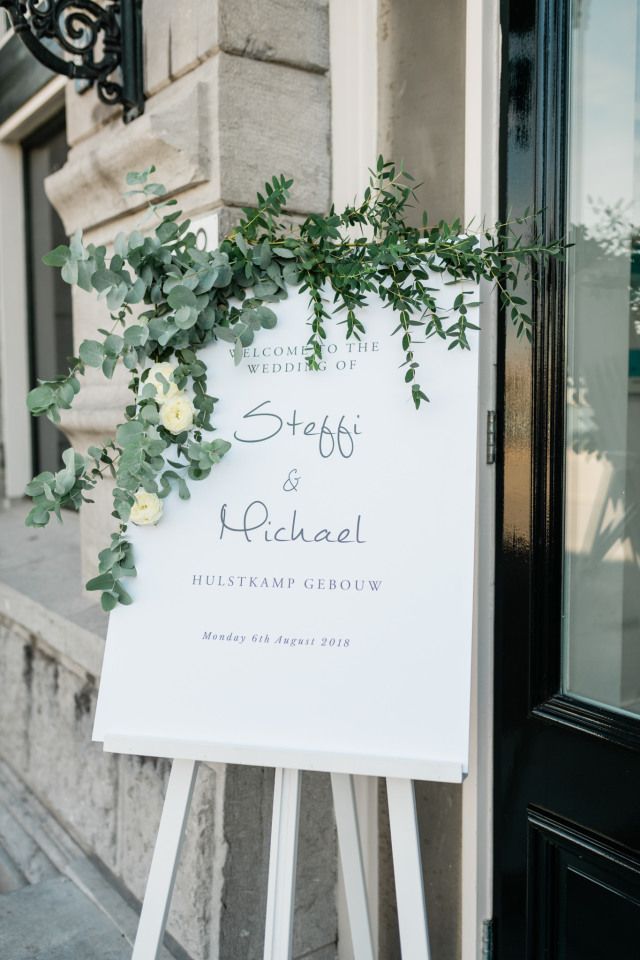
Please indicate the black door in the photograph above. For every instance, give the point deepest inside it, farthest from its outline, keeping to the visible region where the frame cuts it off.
(49, 297)
(567, 677)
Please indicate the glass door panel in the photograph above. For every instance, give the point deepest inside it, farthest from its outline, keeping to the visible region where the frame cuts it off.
(601, 623)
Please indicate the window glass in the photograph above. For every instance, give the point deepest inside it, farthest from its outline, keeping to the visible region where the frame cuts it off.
(601, 652)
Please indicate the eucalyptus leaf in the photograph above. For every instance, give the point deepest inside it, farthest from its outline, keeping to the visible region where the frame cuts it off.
(91, 352)
(191, 298)
(57, 257)
(136, 335)
(69, 272)
(181, 296)
(40, 398)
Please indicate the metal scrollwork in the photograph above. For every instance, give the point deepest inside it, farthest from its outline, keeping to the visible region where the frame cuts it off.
(86, 40)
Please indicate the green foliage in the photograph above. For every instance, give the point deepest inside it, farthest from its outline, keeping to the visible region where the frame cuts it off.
(167, 299)
(51, 491)
(114, 564)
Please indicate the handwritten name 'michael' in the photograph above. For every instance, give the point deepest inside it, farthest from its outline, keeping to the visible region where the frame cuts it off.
(255, 523)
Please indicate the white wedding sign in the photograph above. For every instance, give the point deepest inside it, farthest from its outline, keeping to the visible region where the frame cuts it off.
(311, 605)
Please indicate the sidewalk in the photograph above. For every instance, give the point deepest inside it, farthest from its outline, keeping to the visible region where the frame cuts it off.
(55, 902)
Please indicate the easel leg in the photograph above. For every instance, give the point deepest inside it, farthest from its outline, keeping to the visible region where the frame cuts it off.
(164, 864)
(405, 843)
(278, 935)
(349, 844)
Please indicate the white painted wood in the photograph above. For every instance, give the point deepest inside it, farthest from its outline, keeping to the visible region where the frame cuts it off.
(349, 844)
(278, 943)
(278, 935)
(206, 227)
(164, 864)
(353, 41)
(407, 865)
(375, 765)
(14, 362)
(36, 111)
(286, 625)
(481, 201)
(366, 791)
(14, 367)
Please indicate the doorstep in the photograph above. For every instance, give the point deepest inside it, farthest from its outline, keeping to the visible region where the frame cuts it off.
(57, 903)
(54, 920)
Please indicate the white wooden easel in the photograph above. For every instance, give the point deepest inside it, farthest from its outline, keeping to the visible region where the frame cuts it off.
(405, 841)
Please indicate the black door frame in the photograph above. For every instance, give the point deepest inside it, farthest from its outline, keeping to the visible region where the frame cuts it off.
(532, 718)
(541, 135)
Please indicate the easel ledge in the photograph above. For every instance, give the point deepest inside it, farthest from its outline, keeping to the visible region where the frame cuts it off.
(410, 768)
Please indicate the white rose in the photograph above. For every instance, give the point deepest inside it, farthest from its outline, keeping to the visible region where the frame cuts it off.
(147, 509)
(163, 392)
(176, 414)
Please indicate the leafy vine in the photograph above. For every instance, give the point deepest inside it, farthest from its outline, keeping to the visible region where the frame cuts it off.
(193, 297)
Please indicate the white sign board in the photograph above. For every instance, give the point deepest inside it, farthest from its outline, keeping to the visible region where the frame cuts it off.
(311, 605)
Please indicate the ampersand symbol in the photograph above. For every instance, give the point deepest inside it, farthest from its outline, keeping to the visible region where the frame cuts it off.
(292, 481)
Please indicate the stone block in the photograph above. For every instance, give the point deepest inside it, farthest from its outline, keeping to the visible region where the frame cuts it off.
(142, 786)
(156, 37)
(174, 133)
(72, 775)
(247, 826)
(178, 37)
(439, 809)
(228, 125)
(288, 31)
(247, 817)
(421, 53)
(194, 919)
(45, 722)
(193, 34)
(315, 925)
(85, 113)
(273, 119)
(15, 671)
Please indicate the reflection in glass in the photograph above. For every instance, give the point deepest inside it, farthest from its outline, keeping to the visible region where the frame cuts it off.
(601, 650)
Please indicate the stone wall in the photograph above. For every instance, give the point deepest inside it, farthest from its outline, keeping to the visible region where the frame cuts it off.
(237, 90)
(421, 99)
(421, 51)
(2, 442)
(111, 804)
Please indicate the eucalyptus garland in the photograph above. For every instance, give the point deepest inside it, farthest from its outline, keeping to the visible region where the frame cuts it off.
(192, 297)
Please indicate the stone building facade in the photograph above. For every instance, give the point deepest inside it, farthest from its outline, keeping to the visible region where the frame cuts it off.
(236, 90)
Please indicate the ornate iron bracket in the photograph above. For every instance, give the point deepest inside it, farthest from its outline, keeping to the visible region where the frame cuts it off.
(85, 40)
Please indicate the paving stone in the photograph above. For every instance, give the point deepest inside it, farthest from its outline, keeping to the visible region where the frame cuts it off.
(35, 849)
(53, 920)
(11, 877)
